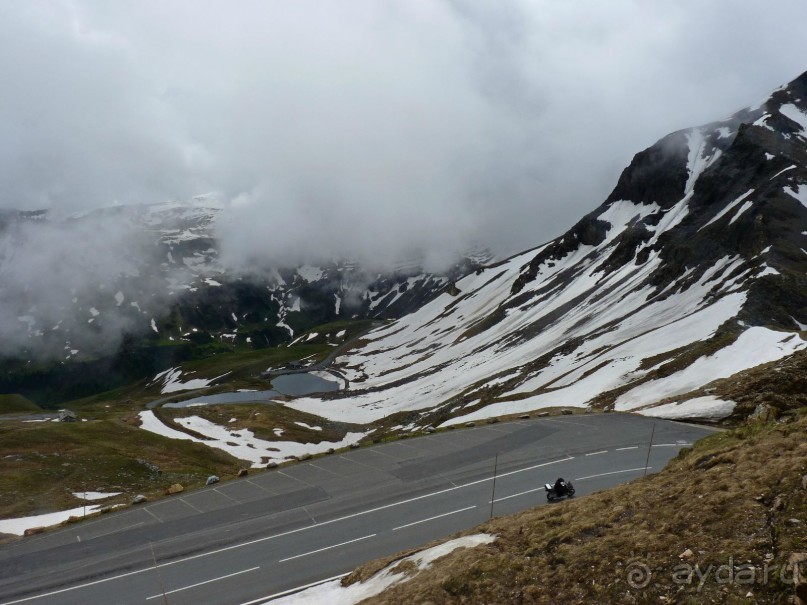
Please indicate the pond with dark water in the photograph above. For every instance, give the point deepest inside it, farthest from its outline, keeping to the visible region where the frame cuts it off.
(292, 385)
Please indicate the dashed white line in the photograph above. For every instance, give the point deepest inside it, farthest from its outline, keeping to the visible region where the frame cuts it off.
(597, 453)
(529, 491)
(632, 447)
(453, 512)
(293, 531)
(230, 575)
(313, 552)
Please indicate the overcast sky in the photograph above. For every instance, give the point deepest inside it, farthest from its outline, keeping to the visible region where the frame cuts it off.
(363, 126)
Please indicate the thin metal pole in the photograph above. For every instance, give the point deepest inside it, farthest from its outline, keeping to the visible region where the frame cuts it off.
(493, 495)
(652, 433)
(159, 575)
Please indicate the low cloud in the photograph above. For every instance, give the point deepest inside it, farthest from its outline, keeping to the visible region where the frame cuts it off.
(355, 129)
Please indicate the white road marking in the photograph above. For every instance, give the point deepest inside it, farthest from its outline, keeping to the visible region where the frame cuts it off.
(627, 470)
(671, 444)
(597, 453)
(622, 449)
(237, 573)
(453, 512)
(529, 491)
(313, 552)
(293, 531)
(277, 595)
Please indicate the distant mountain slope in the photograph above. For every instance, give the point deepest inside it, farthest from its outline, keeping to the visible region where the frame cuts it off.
(693, 269)
(133, 290)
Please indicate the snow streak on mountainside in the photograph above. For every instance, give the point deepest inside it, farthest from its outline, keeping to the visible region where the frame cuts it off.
(693, 269)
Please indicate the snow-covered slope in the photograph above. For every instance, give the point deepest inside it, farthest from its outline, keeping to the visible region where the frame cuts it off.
(694, 269)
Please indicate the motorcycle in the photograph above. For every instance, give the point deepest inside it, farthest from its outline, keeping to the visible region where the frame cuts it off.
(566, 491)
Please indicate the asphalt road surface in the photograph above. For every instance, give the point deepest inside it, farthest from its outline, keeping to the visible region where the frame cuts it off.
(244, 541)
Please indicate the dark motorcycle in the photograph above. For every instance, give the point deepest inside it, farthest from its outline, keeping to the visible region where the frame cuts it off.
(561, 490)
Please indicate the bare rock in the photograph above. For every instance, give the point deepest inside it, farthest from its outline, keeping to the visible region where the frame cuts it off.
(174, 489)
(686, 554)
(763, 413)
(243, 472)
(139, 499)
(32, 531)
(211, 480)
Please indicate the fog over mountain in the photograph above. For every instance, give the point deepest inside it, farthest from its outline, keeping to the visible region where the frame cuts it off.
(367, 126)
(361, 129)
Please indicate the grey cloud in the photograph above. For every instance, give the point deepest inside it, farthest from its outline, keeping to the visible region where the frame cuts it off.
(362, 128)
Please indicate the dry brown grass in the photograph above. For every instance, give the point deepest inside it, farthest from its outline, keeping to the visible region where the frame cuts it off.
(735, 498)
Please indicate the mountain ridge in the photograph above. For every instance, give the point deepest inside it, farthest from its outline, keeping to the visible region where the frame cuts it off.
(701, 244)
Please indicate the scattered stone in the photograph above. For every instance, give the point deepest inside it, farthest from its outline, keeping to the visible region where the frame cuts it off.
(543, 414)
(804, 482)
(493, 420)
(152, 467)
(470, 424)
(271, 464)
(32, 531)
(174, 489)
(778, 503)
(331, 451)
(524, 417)
(429, 429)
(242, 472)
(211, 480)
(305, 457)
(794, 521)
(138, 499)
(566, 412)
(686, 554)
(354, 446)
(589, 410)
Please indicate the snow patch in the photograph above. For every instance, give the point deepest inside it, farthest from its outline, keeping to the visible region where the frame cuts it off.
(95, 495)
(754, 347)
(798, 192)
(309, 273)
(172, 383)
(333, 593)
(709, 408)
(242, 444)
(728, 208)
(797, 115)
(18, 526)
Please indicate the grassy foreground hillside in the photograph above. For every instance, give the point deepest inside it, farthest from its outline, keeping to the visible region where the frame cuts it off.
(725, 522)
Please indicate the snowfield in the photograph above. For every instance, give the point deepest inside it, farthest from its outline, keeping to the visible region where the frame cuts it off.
(432, 357)
(242, 444)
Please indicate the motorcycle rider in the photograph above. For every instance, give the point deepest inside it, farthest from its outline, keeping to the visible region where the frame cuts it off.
(560, 486)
